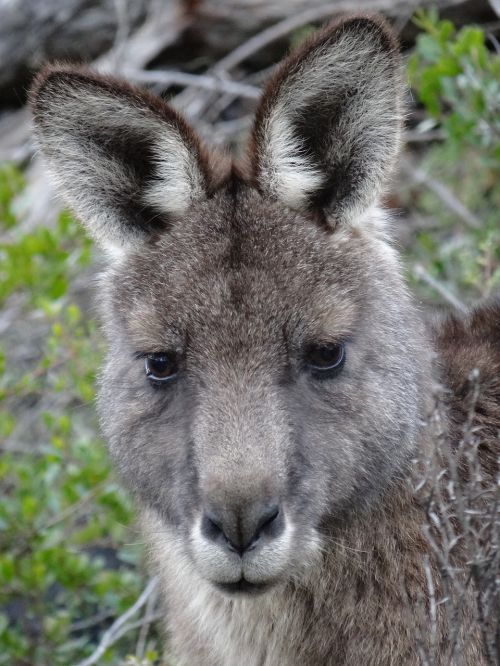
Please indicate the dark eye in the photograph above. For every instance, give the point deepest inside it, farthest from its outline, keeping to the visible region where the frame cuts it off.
(325, 360)
(160, 367)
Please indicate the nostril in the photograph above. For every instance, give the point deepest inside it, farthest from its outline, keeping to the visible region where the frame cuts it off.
(211, 527)
(267, 518)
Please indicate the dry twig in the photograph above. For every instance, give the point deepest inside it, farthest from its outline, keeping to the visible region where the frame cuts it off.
(149, 617)
(422, 274)
(444, 194)
(167, 78)
(120, 626)
(463, 533)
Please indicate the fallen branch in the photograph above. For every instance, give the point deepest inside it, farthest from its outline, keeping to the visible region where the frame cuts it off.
(168, 78)
(194, 105)
(223, 21)
(164, 23)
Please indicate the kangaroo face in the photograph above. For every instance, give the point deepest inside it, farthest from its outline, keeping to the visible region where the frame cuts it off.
(257, 386)
(288, 396)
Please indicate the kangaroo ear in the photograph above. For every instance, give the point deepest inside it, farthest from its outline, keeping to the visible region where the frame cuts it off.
(328, 127)
(125, 162)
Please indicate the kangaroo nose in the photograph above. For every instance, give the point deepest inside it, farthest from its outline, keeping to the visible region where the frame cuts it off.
(240, 530)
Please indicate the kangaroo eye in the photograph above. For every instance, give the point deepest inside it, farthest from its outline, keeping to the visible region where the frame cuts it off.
(160, 367)
(325, 360)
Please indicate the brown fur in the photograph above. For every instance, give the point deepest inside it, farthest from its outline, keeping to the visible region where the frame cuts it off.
(467, 344)
(236, 275)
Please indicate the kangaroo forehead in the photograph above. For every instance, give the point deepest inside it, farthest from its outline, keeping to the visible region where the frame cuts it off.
(232, 264)
(238, 237)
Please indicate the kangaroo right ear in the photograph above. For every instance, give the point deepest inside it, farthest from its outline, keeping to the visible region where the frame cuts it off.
(125, 161)
(327, 129)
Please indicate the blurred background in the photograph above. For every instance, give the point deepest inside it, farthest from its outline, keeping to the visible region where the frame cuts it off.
(73, 591)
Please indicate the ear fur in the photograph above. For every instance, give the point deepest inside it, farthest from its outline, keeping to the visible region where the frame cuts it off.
(328, 127)
(124, 160)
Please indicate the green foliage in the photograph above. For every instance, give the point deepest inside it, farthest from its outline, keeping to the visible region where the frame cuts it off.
(37, 262)
(457, 79)
(63, 517)
(11, 183)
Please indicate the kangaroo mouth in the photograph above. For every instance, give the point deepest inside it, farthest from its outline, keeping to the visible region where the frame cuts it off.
(242, 587)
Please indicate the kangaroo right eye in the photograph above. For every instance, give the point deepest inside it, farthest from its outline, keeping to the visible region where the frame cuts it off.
(160, 367)
(325, 360)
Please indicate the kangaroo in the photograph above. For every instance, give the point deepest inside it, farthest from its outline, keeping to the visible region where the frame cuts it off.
(269, 382)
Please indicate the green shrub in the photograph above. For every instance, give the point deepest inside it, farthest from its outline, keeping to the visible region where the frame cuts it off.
(63, 518)
(457, 80)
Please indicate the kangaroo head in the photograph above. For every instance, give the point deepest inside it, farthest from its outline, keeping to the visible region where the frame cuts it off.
(266, 364)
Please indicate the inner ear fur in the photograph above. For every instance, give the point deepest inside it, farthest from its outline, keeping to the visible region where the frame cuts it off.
(328, 127)
(124, 160)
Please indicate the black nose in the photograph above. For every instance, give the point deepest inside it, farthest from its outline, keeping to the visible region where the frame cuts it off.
(241, 529)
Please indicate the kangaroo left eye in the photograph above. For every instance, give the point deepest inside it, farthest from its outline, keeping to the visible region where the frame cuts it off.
(160, 367)
(325, 359)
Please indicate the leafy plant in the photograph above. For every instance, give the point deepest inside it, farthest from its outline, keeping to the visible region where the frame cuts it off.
(38, 262)
(11, 183)
(65, 569)
(457, 80)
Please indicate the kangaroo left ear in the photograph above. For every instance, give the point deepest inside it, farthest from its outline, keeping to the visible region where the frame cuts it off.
(125, 161)
(327, 130)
